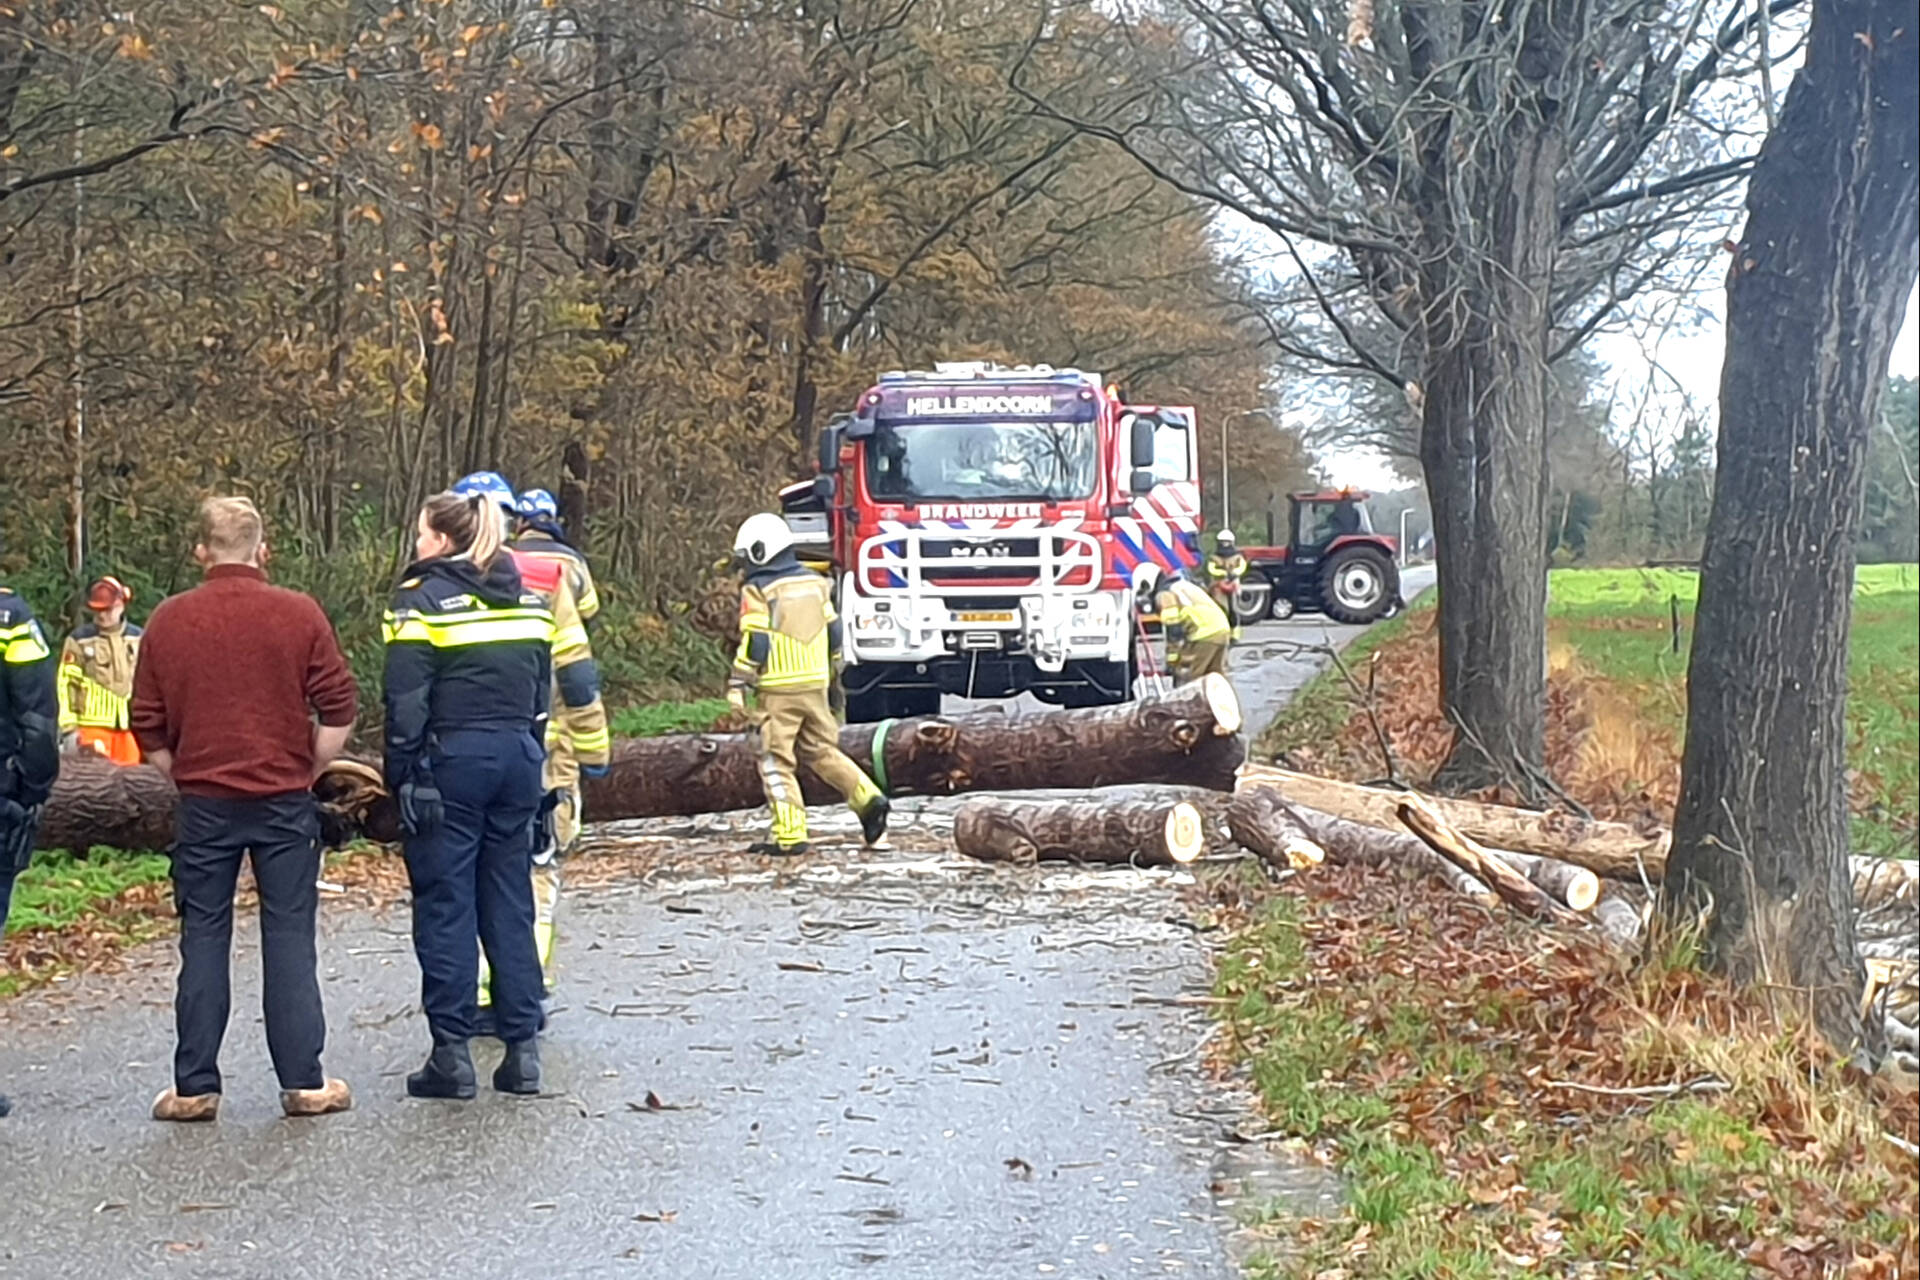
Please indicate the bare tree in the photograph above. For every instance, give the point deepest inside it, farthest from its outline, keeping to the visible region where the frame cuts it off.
(1816, 294)
(1482, 185)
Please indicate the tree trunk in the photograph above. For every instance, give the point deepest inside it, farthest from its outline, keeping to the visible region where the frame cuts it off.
(1483, 444)
(1815, 296)
(1362, 845)
(1514, 888)
(97, 802)
(1188, 738)
(1263, 822)
(1141, 832)
(1610, 849)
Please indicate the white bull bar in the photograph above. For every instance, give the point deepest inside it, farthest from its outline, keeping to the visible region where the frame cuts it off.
(898, 563)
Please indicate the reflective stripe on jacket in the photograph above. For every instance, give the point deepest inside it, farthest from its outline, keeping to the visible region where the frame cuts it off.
(466, 648)
(96, 677)
(29, 736)
(1189, 614)
(789, 633)
(579, 716)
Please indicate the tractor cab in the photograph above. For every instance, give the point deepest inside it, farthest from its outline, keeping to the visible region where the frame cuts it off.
(1333, 563)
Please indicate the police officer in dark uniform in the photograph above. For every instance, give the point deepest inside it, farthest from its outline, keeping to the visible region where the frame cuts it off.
(467, 674)
(29, 740)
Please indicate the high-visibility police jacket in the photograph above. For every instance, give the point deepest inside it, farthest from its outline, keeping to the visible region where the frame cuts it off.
(1189, 615)
(1226, 568)
(467, 648)
(96, 676)
(789, 633)
(29, 717)
(579, 718)
(540, 542)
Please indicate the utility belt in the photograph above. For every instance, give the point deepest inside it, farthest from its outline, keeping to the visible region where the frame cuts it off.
(506, 725)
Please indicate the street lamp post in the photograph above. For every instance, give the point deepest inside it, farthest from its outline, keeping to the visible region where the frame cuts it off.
(1404, 513)
(1226, 490)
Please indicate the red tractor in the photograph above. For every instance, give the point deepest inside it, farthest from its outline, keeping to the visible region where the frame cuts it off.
(1334, 563)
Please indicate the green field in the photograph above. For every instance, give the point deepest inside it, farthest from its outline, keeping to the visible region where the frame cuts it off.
(1619, 623)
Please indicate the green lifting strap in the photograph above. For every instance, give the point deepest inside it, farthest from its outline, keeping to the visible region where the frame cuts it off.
(879, 750)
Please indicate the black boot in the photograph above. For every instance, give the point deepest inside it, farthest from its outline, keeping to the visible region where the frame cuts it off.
(5, 1106)
(519, 1071)
(447, 1074)
(873, 823)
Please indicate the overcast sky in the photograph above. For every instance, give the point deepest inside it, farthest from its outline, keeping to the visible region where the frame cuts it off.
(1691, 356)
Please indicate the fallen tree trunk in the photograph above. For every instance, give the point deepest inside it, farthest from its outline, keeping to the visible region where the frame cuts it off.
(1611, 849)
(1141, 832)
(1263, 822)
(97, 802)
(1362, 845)
(1513, 886)
(1188, 737)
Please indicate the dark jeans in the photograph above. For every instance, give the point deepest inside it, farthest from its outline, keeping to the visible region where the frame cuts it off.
(473, 875)
(211, 836)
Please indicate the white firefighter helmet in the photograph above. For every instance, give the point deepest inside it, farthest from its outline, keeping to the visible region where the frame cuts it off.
(1146, 577)
(1224, 540)
(761, 538)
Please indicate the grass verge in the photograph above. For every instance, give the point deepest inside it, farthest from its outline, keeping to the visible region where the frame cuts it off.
(651, 719)
(1502, 1102)
(68, 912)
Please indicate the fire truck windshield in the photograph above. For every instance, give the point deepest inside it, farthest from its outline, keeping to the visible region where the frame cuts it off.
(981, 461)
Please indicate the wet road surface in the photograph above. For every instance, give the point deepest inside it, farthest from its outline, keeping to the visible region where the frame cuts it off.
(894, 1064)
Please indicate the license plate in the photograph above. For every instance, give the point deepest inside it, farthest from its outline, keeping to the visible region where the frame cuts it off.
(984, 617)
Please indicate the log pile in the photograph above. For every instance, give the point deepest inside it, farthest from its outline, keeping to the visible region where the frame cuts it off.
(1189, 737)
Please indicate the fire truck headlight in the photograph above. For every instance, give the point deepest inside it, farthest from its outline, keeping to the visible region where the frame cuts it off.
(870, 623)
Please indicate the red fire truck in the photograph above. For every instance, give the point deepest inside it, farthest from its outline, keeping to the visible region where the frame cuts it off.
(981, 524)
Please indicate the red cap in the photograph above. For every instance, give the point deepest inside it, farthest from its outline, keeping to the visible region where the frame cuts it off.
(108, 592)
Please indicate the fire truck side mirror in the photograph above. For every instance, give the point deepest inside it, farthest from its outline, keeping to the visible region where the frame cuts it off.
(830, 439)
(1141, 481)
(823, 488)
(1143, 425)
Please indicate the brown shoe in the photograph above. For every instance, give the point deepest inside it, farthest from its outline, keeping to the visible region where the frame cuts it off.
(188, 1110)
(328, 1098)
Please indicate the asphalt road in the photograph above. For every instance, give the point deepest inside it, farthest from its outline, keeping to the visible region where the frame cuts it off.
(894, 1065)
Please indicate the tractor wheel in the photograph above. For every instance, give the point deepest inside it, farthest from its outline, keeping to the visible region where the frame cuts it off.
(1282, 607)
(1356, 585)
(1250, 603)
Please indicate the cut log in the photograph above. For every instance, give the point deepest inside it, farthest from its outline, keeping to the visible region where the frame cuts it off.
(1188, 737)
(1146, 833)
(1263, 822)
(1514, 888)
(1618, 919)
(1575, 887)
(1611, 849)
(97, 802)
(1362, 845)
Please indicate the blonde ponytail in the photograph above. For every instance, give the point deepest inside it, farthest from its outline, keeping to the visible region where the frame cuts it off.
(476, 525)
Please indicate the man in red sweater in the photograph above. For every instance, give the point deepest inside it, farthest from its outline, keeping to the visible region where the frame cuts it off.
(242, 695)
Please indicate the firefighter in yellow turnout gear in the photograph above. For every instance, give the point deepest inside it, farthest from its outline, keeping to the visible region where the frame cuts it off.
(1226, 567)
(1196, 627)
(577, 724)
(789, 645)
(570, 733)
(96, 677)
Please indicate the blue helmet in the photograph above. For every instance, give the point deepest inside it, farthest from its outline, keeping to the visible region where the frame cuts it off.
(489, 484)
(537, 504)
